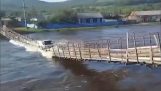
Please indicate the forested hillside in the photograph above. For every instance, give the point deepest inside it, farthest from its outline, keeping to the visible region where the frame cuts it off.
(114, 7)
(17, 4)
(126, 2)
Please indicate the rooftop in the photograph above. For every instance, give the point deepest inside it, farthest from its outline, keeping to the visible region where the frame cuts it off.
(89, 15)
(142, 13)
(5, 19)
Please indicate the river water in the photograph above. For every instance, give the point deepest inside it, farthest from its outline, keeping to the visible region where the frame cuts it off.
(29, 71)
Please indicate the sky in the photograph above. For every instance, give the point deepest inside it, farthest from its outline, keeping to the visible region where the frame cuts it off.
(53, 0)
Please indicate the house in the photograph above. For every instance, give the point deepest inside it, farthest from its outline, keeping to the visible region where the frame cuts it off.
(34, 19)
(5, 20)
(145, 16)
(89, 18)
(18, 19)
(32, 26)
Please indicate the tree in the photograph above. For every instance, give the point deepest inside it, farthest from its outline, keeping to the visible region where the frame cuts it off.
(15, 14)
(66, 16)
(33, 12)
(2, 14)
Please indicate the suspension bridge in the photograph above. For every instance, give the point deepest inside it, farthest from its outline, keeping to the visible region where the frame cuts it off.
(130, 49)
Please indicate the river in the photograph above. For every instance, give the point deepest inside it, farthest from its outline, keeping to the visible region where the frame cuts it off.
(29, 71)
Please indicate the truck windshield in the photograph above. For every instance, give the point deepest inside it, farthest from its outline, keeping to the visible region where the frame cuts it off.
(47, 42)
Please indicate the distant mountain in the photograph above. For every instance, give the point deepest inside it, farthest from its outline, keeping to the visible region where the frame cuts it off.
(17, 4)
(127, 2)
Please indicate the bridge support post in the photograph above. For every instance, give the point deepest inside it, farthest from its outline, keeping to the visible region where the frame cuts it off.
(63, 52)
(58, 51)
(89, 51)
(98, 51)
(127, 45)
(54, 52)
(74, 50)
(108, 49)
(151, 49)
(143, 41)
(159, 41)
(79, 46)
(121, 48)
(68, 49)
(135, 46)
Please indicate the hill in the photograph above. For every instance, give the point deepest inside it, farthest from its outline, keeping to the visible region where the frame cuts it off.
(17, 4)
(13, 7)
(127, 2)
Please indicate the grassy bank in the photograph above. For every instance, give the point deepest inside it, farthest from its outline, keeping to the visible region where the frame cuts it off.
(24, 30)
(77, 29)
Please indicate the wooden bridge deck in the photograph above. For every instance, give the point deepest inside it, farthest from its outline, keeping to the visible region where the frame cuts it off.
(127, 50)
(119, 55)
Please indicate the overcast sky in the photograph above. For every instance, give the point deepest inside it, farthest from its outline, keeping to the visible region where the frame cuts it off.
(53, 0)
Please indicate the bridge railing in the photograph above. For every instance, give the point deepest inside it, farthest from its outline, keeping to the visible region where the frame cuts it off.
(133, 48)
(10, 34)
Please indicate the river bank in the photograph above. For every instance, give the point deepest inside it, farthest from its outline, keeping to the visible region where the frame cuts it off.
(23, 30)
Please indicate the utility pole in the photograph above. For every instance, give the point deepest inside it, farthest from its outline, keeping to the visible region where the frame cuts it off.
(0, 8)
(0, 13)
(24, 13)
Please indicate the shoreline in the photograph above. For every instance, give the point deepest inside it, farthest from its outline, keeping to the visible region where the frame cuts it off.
(22, 30)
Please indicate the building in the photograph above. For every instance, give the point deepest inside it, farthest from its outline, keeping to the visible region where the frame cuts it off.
(32, 26)
(5, 20)
(34, 19)
(18, 19)
(89, 18)
(145, 16)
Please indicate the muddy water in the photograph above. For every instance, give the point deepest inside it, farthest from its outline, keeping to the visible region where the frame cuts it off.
(29, 71)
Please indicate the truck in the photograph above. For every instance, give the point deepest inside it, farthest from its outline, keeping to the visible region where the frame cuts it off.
(45, 44)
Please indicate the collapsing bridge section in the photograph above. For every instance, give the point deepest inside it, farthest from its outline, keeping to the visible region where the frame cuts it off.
(132, 48)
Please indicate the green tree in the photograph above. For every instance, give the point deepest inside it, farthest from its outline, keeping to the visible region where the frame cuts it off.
(2, 14)
(66, 16)
(33, 12)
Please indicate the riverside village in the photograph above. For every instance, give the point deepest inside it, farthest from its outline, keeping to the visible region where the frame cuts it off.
(80, 45)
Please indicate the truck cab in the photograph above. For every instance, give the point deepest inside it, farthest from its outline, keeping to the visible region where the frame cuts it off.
(45, 43)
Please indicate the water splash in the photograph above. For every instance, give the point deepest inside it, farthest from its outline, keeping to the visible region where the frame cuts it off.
(57, 47)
